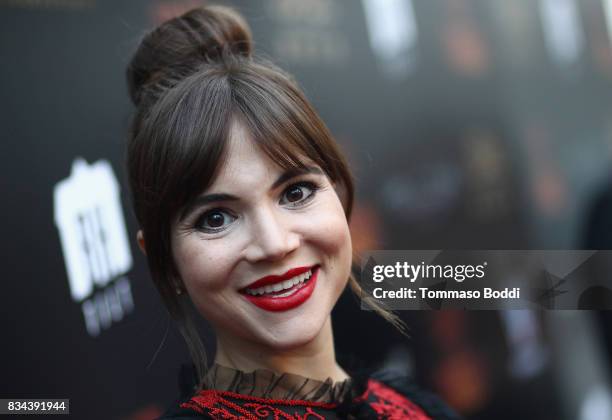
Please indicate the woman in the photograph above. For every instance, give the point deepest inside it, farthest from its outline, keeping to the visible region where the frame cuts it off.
(243, 199)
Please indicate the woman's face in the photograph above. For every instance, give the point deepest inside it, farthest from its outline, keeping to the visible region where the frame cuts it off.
(264, 253)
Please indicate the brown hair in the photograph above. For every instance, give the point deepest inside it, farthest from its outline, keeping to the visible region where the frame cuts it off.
(190, 78)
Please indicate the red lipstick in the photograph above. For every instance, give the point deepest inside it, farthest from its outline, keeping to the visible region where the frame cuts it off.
(301, 292)
(264, 281)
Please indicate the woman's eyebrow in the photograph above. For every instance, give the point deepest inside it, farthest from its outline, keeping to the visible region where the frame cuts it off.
(203, 200)
(293, 172)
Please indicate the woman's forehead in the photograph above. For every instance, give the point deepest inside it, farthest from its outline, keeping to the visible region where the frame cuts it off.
(247, 163)
(244, 162)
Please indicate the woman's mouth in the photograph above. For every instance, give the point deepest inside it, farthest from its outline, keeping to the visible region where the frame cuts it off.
(282, 289)
(284, 294)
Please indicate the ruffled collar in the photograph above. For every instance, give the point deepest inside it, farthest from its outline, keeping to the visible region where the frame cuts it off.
(265, 383)
(349, 397)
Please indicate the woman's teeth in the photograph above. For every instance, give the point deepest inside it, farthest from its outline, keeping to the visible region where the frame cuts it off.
(284, 285)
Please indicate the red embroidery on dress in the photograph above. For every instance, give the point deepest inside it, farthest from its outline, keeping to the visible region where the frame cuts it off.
(391, 405)
(309, 415)
(386, 402)
(217, 404)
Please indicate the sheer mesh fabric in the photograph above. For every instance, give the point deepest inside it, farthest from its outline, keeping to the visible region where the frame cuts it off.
(265, 383)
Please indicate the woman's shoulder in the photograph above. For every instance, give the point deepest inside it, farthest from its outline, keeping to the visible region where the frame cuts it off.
(396, 392)
(176, 411)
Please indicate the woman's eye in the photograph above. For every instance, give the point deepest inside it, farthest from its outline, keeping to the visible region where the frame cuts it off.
(214, 220)
(299, 193)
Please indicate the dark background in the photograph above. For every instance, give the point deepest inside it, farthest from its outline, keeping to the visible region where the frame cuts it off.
(489, 128)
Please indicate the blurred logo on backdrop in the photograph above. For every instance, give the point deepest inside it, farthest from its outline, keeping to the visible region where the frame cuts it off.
(393, 33)
(93, 236)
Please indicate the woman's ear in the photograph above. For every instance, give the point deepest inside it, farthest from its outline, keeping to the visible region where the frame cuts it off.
(141, 242)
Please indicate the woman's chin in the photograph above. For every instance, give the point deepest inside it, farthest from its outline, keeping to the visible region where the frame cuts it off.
(292, 337)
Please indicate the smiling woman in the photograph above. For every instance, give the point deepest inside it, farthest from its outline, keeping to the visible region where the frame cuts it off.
(258, 231)
(243, 198)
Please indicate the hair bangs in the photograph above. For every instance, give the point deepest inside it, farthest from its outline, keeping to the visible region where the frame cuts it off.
(199, 114)
(281, 121)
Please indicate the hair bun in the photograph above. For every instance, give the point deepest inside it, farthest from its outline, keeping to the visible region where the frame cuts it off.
(180, 46)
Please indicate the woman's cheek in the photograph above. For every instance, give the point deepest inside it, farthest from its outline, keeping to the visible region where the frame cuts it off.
(201, 263)
(328, 228)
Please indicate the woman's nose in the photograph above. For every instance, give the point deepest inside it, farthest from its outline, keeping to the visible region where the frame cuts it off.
(272, 237)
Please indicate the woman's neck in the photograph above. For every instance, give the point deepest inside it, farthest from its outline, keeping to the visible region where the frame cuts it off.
(316, 359)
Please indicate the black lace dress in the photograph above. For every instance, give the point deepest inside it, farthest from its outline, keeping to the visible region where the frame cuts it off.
(263, 394)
